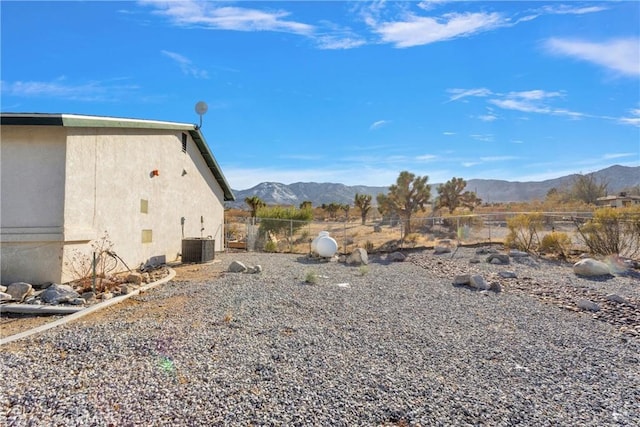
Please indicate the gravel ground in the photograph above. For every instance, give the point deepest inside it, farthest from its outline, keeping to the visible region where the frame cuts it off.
(398, 345)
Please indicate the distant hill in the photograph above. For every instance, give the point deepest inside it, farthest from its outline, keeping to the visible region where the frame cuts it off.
(489, 190)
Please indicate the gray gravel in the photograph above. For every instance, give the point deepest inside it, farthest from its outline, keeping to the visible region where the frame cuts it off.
(399, 346)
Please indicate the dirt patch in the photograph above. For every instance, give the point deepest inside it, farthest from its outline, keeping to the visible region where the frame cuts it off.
(11, 324)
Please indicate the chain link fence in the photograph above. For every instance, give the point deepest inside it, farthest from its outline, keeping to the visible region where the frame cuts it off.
(255, 234)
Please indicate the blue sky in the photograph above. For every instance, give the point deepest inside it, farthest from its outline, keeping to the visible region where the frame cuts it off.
(349, 92)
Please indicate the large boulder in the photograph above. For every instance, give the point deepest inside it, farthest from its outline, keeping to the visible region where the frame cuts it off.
(58, 294)
(19, 291)
(590, 267)
(358, 256)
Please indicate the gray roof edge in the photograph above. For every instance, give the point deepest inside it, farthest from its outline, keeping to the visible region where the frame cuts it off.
(209, 158)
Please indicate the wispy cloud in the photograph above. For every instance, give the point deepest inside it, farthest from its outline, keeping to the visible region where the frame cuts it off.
(564, 9)
(213, 16)
(95, 90)
(448, 133)
(427, 158)
(482, 137)
(379, 124)
(633, 119)
(533, 101)
(498, 158)
(610, 156)
(488, 117)
(186, 65)
(420, 30)
(457, 94)
(619, 55)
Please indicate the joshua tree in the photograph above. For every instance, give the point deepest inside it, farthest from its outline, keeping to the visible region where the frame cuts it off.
(332, 208)
(450, 194)
(363, 202)
(408, 195)
(254, 203)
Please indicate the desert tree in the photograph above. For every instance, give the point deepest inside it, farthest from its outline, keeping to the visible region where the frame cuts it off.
(588, 188)
(306, 205)
(363, 202)
(332, 209)
(407, 196)
(346, 208)
(470, 200)
(254, 203)
(450, 194)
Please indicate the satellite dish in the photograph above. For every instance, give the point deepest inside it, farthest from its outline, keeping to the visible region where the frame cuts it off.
(201, 109)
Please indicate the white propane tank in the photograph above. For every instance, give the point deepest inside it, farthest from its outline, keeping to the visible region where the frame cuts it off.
(314, 242)
(326, 246)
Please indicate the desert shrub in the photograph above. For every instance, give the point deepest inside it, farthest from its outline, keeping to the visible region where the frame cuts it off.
(556, 242)
(311, 277)
(412, 239)
(523, 231)
(271, 246)
(612, 231)
(363, 270)
(80, 266)
(282, 220)
(368, 246)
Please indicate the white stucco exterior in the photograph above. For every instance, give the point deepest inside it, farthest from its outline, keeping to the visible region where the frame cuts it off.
(66, 186)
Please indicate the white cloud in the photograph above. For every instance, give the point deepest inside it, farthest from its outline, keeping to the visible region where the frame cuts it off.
(488, 117)
(634, 120)
(463, 93)
(186, 65)
(88, 91)
(426, 158)
(564, 9)
(497, 158)
(339, 42)
(448, 133)
(619, 55)
(210, 15)
(419, 30)
(619, 155)
(482, 137)
(378, 124)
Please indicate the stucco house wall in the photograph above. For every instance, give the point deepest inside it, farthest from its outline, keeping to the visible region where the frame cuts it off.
(105, 185)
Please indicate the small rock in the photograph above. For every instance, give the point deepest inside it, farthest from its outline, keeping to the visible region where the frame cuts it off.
(461, 279)
(474, 260)
(441, 249)
(358, 256)
(254, 270)
(498, 259)
(105, 296)
(495, 287)
(517, 254)
(585, 304)
(88, 296)
(135, 278)
(146, 277)
(396, 257)
(4, 297)
(237, 267)
(507, 274)
(478, 282)
(125, 289)
(591, 267)
(77, 301)
(617, 298)
(19, 290)
(3, 288)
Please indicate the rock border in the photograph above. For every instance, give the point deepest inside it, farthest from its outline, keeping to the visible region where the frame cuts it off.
(88, 310)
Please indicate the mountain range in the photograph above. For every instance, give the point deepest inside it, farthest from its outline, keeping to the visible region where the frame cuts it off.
(617, 177)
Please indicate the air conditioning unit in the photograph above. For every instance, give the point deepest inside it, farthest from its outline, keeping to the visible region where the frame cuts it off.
(198, 250)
